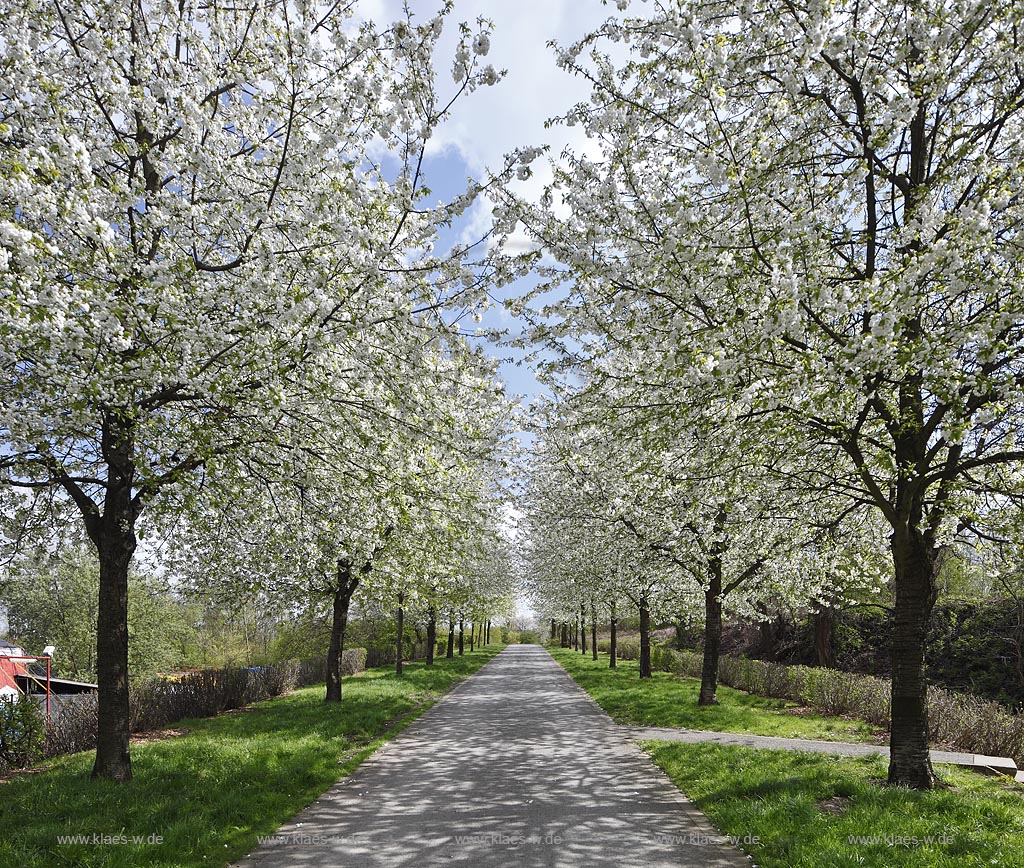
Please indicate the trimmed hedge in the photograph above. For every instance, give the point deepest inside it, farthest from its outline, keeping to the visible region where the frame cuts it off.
(159, 702)
(958, 720)
(626, 647)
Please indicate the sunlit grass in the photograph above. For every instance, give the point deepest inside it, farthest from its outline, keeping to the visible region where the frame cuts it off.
(812, 811)
(669, 700)
(210, 792)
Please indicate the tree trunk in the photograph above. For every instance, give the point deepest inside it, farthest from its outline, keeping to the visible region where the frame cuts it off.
(712, 637)
(824, 628)
(113, 534)
(593, 631)
(565, 635)
(612, 646)
(554, 630)
(575, 633)
(472, 635)
(450, 651)
(344, 587)
(917, 566)
(766, 632)
(680, 635)
(112, 731)
(401, 634)
(462, 631)
(645, 641)
(431, 634)
(583, 630)
(488, 642)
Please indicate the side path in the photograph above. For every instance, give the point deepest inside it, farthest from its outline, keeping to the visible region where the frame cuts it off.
(989, 764)
(517, 766)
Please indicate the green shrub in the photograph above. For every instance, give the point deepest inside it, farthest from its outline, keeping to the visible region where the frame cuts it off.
(627, 648)
(958, 720)
(22, 732)
(159, 702)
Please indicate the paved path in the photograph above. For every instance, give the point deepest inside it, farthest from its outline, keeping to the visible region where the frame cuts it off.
(989, 764)
(516, 767)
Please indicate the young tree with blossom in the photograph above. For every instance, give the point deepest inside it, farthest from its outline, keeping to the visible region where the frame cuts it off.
(820, 206)
(191, 213)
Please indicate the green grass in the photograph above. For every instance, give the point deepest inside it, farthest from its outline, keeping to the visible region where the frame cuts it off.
(210, 792)
(668, 700)
(776, 797)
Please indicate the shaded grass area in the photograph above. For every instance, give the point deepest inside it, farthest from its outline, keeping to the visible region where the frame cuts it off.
(809, 810)
(209, 793)
(669, 700)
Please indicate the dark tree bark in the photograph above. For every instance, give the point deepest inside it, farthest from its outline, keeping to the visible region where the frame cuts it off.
(712, 636)
(565, 635)
(575, 633)
(462, 631)
(113, 534)
(583, 630)
(347, 579)
(767, 630)
(916, 559)
(488, 637)
(824, 629)
(400, 624)
(613, 639)
(554, 631)
(345, 585)
(113, 759)
(472, 635)
(450, 651)
(431, 634)
(713, 615)
(593, 631)
(645, 640)
(917, 566)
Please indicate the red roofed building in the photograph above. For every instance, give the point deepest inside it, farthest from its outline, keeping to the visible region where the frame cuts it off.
(21, 676)
(11, 669)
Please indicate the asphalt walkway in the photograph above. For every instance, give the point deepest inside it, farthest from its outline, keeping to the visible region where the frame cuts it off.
(515, 767)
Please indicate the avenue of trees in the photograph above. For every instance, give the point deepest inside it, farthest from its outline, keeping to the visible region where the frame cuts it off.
(226, 319)
(783, 313)
(778, 312)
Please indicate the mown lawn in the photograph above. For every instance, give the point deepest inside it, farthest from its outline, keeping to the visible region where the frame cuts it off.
(668, 700)
(801, 810)
(209, 792)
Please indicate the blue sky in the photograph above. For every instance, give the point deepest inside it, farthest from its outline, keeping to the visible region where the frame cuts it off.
(488, 124)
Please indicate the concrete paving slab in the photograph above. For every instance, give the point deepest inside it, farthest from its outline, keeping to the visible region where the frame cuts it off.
(515, 767)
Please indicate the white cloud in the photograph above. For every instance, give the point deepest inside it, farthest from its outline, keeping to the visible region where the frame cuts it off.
(512, 113)
(486, 125)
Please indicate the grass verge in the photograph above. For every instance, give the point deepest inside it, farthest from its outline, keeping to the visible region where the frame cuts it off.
(210, 792)
(669, 700)
(801, 810)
